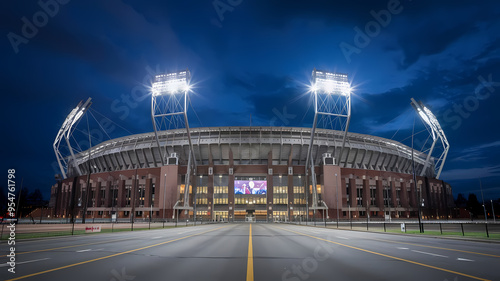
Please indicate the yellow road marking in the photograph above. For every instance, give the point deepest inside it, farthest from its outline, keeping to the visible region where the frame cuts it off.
(250, 257)
(448, 249)
(110, 256)
(72, 246)
(388, 256)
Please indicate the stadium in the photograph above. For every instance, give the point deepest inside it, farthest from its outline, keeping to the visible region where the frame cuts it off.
(251, 173)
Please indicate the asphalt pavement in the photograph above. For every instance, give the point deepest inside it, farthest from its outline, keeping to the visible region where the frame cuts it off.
(251, 252)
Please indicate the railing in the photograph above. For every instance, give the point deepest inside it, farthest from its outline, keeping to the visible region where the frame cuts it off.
(27, 228)
(472, 229)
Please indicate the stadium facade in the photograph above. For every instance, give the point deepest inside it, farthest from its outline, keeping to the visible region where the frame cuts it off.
(374, 177)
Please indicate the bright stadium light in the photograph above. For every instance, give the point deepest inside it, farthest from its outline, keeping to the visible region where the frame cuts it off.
(437, 134)
(65, 132)
(332, 110)
(171, 83)
(331, 83)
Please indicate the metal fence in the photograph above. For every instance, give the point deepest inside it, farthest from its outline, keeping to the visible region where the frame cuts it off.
(478, 229)
(58, 227)
(61, 227)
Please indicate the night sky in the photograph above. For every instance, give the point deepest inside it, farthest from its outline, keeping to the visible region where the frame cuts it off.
(252, 58)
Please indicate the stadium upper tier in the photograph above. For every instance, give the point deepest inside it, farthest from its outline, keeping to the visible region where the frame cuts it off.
(251, 145)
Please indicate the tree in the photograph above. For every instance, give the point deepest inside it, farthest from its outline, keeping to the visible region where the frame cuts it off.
(461, 201)
(473, 205)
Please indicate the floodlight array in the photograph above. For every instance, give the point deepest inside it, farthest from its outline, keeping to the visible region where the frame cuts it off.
(65, 132)
(171, 83)
(437, 133)
(331, 83)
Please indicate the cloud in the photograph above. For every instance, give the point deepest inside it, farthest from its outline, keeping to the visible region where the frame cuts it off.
(476, 153)
(472, 173)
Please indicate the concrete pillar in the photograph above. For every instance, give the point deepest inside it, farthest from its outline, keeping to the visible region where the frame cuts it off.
(270, 186)
(380, 194)
(366, 194)
(353, 193)
(392, 185)
(167, 190)
(331, 187)
(404, 195)
(97, 195)
(210, 195)
(147, 193)
(290, 197)
(121, 194)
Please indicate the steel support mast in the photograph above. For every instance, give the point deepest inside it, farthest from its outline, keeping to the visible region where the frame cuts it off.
(168, 112)
(438, 137)
(65, 133)
(332, 110)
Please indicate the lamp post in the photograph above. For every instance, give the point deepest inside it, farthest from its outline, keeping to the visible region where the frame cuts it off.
(415, 180)
(493, 210)
(164, 195)
(482, 198)
(337, 183)
(150, 215)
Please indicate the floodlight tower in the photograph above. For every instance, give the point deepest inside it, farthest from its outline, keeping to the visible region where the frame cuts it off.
(332, 109)
(65, 133)
(437, 134)
(169, 111)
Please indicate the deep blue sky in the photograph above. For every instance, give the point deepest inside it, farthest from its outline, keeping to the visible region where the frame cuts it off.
(256, 58)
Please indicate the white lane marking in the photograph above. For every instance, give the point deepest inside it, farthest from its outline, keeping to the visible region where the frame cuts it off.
(436, 255)
(6, 264)
(342, 237)
(402, 248)
(157, 237)
(462, 259)
(81, 251)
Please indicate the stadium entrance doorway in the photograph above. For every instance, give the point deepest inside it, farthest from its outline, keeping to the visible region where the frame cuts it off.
(250, 216)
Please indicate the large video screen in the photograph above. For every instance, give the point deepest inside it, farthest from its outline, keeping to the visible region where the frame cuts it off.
(250, 187)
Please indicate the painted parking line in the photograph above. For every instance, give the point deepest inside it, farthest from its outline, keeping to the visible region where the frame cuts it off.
(440, 248)
(430, 254)
(389, 256)
(72, 246)
(110, 256)
(81, 251)
(22, 262)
